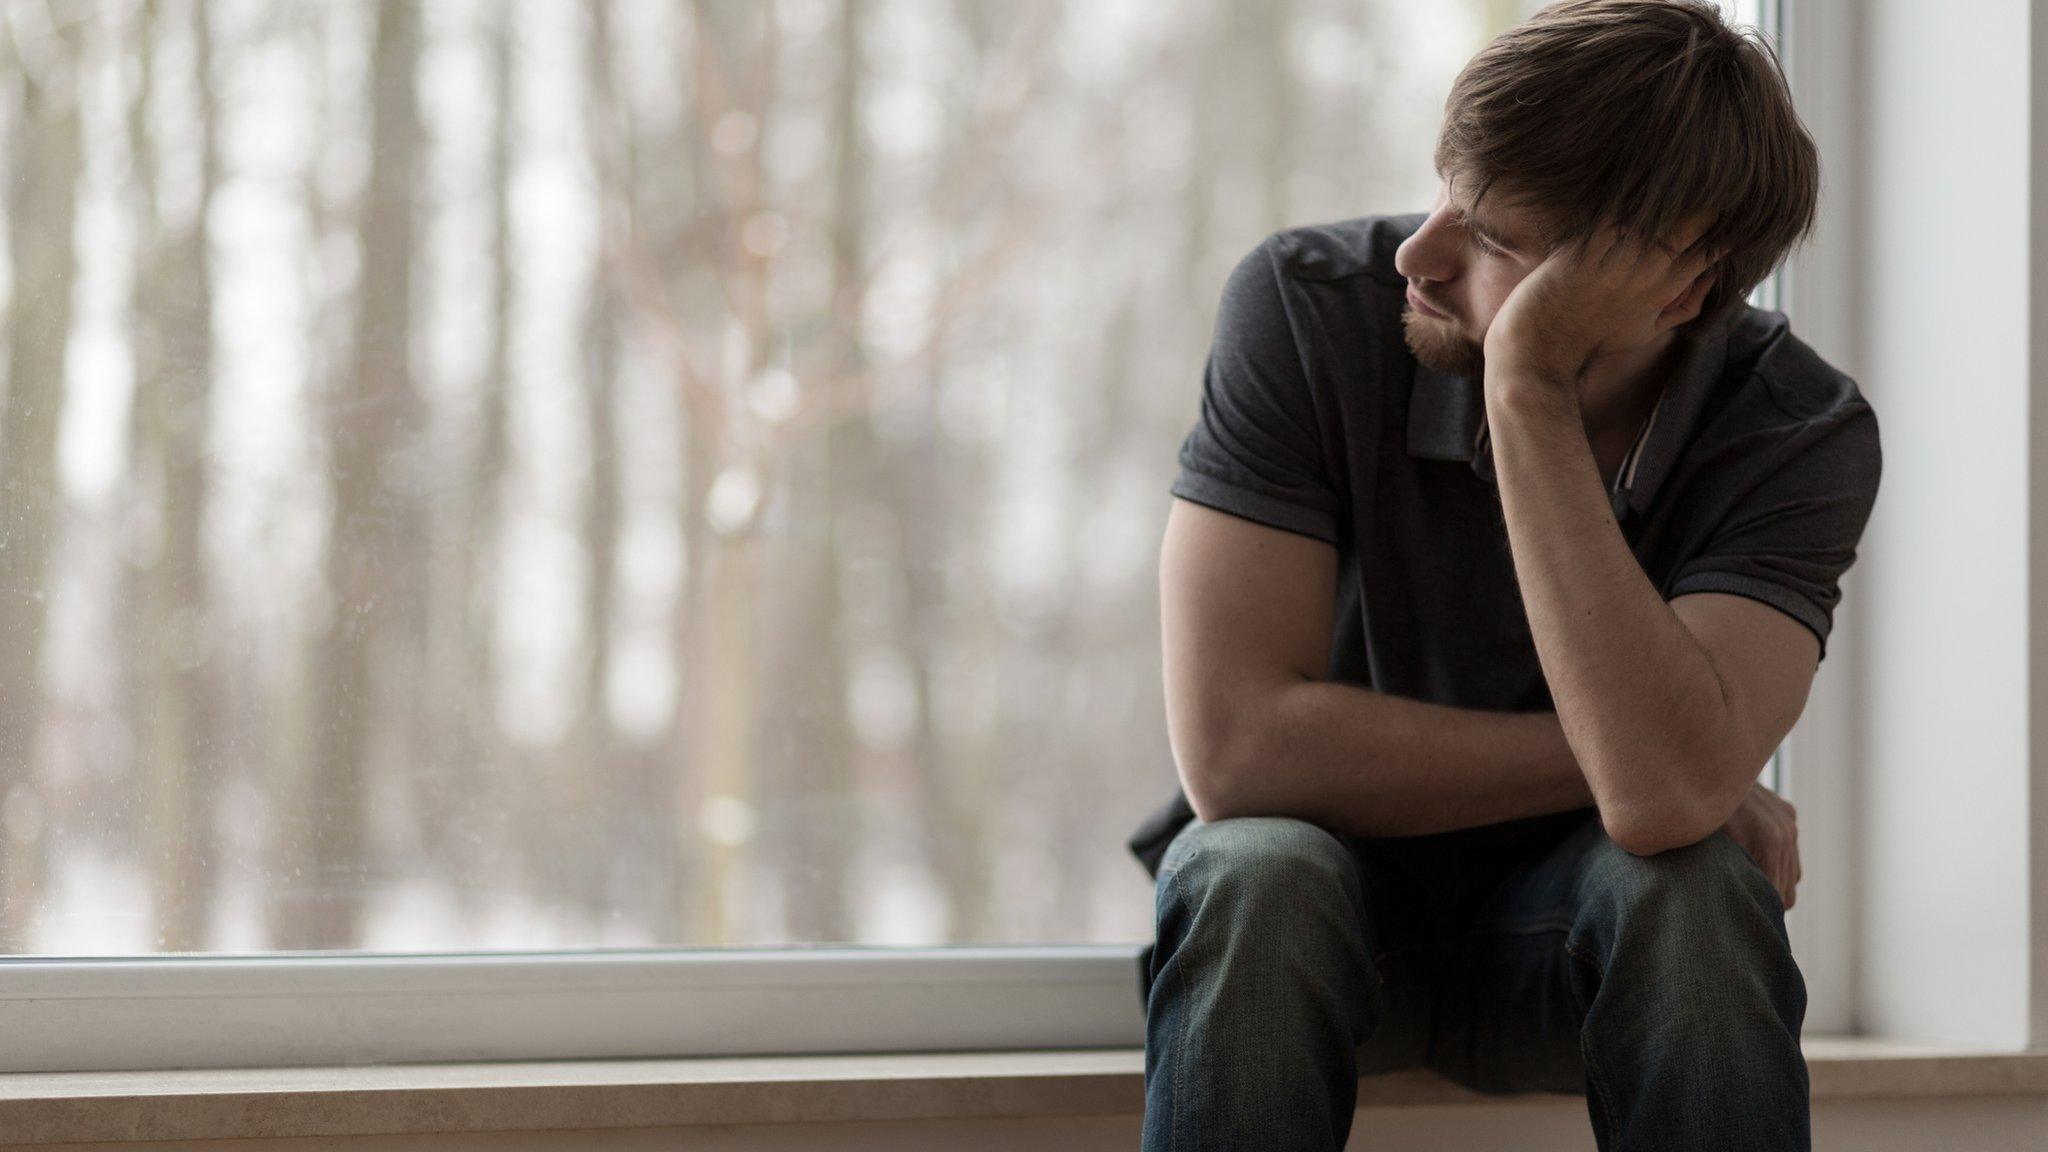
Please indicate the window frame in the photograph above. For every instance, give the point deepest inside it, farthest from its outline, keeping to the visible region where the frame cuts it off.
(340, 1008)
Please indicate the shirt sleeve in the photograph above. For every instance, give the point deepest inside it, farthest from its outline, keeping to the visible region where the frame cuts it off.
(1254, 451)
(1791, 537)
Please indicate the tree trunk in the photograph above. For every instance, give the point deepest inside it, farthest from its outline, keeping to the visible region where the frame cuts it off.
(592, 800)
(173, 414)
(41, 211)
(367, 424)
(809, 752)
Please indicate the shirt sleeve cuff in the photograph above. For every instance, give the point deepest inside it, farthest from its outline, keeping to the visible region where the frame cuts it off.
(1793, 603)
(1244, 502)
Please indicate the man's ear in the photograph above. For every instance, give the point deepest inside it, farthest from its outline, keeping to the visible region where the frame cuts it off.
(1686, 304)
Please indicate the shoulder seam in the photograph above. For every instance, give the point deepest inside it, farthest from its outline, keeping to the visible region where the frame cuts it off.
(1835, 414)
(1279, 241)
(1772, 384)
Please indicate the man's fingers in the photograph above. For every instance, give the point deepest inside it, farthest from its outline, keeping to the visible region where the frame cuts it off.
(1607, 247)
(1689, 233)
(1683, 270)
(1786, 884)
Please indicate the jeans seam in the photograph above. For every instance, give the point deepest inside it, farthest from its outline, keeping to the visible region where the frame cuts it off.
(1595, 1082)
(1187, 1024)
(1526, 928)
(1379, 958)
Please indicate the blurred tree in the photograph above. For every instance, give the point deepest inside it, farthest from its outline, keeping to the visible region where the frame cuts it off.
(809, 754)
(368, 421)
(859, 425)
(930, 481)
(168, 461)
(465, 745)
(592, 801)
(47, 157)
(732, 102)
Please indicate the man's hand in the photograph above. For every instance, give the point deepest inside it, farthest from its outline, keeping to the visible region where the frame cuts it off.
(1584, 301)
(1766, 825)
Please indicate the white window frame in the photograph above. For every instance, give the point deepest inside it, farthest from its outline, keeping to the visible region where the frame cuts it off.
(1814, 767)
(345, 1008)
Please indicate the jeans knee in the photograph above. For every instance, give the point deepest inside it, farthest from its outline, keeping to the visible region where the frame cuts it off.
(1260, 919)
(1269, 851)
(1700, 878)
(1261, 868)
(1702, 921)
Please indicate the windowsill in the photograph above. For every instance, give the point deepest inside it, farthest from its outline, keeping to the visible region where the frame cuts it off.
(219, 1104)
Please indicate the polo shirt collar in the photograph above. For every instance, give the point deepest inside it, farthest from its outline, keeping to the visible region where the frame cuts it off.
(1447, 418)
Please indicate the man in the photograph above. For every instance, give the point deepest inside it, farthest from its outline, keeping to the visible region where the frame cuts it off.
(1506, 546)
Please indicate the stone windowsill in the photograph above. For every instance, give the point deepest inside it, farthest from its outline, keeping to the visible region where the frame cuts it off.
(219, 1104)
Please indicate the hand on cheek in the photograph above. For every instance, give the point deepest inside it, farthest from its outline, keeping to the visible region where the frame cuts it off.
(1584, 301)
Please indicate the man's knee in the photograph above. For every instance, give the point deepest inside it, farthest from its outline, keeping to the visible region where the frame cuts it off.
(1260, 911)
(1710, 876)
(1261, 866)
(1704, 912)
(1690, 944)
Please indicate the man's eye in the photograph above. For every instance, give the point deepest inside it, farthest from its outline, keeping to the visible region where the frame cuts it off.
(1480, 243)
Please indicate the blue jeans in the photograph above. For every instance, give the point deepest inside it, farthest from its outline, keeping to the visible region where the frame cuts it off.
(1534, 956)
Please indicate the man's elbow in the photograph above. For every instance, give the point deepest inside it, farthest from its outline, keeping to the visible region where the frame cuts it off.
(1649, 815)
(1647, 829)
(1214, 777)
(1211, 747)
(1207, 782)
(1643, 839)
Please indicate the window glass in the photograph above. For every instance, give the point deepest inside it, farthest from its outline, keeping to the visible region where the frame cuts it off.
(485, 476)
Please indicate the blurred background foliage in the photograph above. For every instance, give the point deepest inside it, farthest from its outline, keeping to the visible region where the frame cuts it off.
(624, 473)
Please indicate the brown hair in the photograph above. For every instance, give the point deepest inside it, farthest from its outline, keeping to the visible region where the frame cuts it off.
(1639, 114)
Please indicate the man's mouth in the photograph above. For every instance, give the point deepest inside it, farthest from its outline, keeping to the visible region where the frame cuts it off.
(1420, 305)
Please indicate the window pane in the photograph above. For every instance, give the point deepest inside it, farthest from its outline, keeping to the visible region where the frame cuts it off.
(504, 476)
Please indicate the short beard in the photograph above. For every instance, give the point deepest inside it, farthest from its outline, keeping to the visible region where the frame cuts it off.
(1438, 346)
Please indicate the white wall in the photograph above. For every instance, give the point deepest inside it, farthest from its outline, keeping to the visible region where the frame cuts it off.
(1944, 354)
(2037, 664)
(1920, 283)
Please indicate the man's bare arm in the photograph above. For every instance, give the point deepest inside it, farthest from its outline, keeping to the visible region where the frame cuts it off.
(1370, 764)
(1671, 726)
(1246, 616)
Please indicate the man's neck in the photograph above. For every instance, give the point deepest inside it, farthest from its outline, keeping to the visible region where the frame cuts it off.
(1618, 394)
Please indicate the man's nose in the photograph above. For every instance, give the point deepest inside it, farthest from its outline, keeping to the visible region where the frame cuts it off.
(1427, 253)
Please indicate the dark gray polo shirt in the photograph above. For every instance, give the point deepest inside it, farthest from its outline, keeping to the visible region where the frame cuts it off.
(1754, 475)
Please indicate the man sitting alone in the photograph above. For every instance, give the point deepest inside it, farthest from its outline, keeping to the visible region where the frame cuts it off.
(1505, 549)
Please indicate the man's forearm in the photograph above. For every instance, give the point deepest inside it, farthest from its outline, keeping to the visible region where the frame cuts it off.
(1366, 763)
(1642, 704)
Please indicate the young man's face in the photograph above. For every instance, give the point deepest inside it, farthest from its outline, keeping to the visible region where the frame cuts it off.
(1462, 269)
